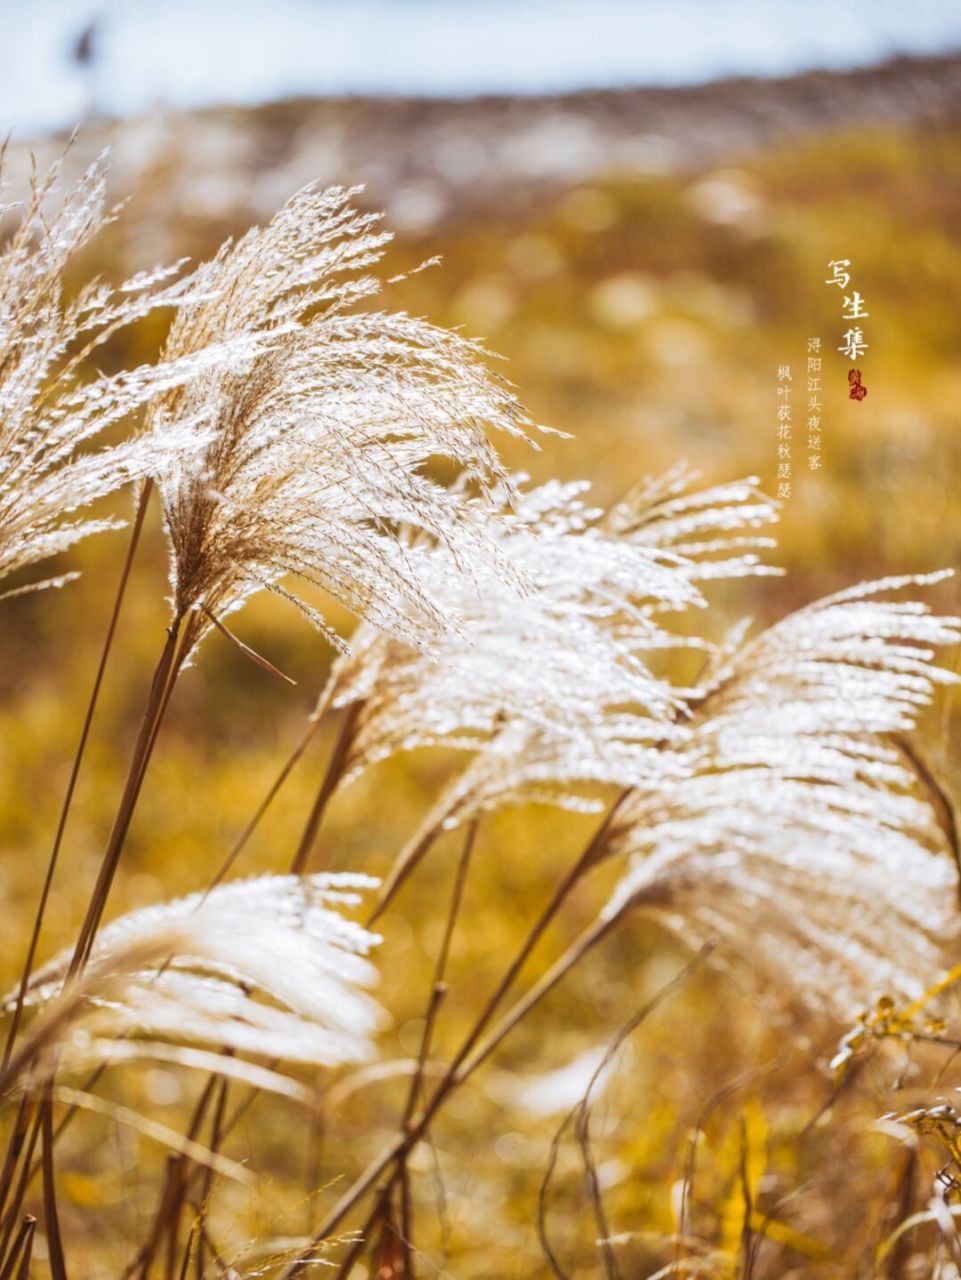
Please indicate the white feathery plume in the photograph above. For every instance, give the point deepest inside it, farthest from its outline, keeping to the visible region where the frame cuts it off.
(555, 690)
(53, 402)
(521, 658)
(705, 533)
(266, 966)
(794, 834)
(322, 451)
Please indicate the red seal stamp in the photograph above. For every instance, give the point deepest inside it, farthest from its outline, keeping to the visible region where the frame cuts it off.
(858, 389)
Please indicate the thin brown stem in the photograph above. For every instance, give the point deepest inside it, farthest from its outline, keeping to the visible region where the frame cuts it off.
(404, 866)
(168, 667)
(69, 1113)
(363, 1236)
(241, 841)
(591, 854)
(216, 1137)
(437, 993)
(544, 985)
(21, 1250)
(406, 1233)
(314, 724)
(75, 768)
(438, 987)
(245, 649)
(141, 1263)
(58, 1265)
(168, 1211)
(14, 1147)
(238, 1113)
(13, 1213)
(596, 1196)
(332, 776)
(581, 1114)
(716, 1100)
(161, 686)
(464, 1065)
(940, 798)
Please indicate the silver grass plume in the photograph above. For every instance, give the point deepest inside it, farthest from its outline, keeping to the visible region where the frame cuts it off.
(703, 533)
(787, 825)
(267, 967)
(554, 691)
(53, 402)
(321, 450)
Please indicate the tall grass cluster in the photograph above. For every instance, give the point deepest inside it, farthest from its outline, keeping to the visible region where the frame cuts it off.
(760, 795)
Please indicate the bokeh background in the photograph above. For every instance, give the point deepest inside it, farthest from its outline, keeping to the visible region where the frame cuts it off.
(636, 205)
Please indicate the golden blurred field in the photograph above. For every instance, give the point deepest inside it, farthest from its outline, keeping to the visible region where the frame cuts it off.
(646, 315)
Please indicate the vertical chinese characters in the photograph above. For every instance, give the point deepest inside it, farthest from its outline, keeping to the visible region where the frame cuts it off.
(854, 343)
(784, 431)
(814, 404)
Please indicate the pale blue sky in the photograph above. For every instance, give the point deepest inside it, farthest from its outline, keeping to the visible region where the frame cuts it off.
(198, 52)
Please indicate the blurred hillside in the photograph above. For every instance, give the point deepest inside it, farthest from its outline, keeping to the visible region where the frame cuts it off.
(427, 159)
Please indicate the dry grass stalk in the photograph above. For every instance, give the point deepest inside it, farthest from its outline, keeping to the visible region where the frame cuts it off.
(320, 449)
